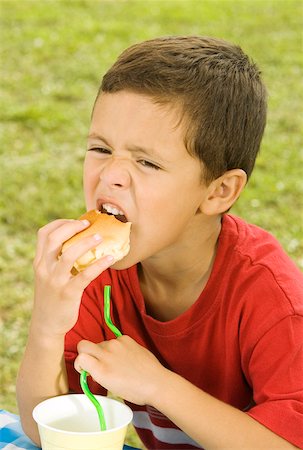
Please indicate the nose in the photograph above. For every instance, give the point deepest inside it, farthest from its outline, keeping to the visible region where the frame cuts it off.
(115, 174)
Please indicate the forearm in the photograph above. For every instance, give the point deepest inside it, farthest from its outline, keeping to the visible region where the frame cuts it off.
(210, 422)
(121, 364)
(56, 308)
(42, 375)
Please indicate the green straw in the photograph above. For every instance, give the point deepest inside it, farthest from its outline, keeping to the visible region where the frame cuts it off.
(83, 375)
(107, 318)
(92, 398)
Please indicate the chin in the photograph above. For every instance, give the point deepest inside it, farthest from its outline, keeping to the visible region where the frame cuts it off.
(124, 263)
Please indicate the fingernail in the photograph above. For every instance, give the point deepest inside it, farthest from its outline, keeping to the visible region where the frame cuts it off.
(110, 258)
(85, 222)
(97, 237)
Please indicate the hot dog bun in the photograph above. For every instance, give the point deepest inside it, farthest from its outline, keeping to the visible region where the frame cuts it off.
(115, 238)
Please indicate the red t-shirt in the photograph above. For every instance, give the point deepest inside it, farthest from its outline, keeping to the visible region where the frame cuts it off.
(241, 341)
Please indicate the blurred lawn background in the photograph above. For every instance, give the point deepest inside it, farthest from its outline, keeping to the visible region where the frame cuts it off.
(53, 55)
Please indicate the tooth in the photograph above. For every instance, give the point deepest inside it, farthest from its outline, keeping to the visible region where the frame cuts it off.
(112, 209)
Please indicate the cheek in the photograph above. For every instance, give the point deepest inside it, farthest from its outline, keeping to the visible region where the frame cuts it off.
(171, 201)
(167, 215)
(90, 182)
(160, 219)
(90, 175)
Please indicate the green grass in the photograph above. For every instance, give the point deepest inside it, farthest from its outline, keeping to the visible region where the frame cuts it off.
(53, 54)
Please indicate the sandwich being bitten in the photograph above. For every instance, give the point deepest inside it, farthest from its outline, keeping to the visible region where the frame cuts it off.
(115, 238)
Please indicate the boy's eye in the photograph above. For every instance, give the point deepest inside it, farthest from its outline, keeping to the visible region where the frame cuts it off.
(149, 164)
(100, 150)
(143, 162)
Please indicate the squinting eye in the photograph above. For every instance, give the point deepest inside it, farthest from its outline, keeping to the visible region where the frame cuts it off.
(149, 164)
(100, 150)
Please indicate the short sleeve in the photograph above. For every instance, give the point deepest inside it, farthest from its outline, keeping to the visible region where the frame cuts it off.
(276, 375)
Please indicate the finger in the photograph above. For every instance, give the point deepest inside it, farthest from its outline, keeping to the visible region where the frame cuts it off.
(72, 253)
(43, 233)
(86, 350)
(88, 363)
(84, 278)
(53, 241)
(101, 351)
(89, 347)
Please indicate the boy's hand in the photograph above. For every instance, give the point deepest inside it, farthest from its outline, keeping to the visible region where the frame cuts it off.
(123, 367)
(57, 292)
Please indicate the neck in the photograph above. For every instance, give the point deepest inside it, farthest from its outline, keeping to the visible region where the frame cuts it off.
(180, 272)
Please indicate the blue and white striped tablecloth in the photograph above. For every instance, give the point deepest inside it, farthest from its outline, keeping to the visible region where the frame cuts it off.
(12, 436)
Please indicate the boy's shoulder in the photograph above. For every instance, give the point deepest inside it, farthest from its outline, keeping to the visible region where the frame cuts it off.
(255, 243)
(256, 254)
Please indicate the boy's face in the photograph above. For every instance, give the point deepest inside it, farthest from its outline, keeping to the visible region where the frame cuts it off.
(137, 163)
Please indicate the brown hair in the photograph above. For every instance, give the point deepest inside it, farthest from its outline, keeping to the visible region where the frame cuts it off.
(219, 90)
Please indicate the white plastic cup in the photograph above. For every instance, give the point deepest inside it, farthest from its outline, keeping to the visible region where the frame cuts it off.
(70, 422)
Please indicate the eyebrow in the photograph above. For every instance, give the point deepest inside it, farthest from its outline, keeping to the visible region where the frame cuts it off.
(99, 137)
(134, 148)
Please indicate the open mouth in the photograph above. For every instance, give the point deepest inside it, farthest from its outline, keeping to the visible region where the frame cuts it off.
(111, 210)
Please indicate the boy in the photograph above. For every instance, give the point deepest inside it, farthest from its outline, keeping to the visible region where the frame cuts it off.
(210, 307)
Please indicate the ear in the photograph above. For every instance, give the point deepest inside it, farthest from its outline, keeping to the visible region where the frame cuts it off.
(223, 192)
